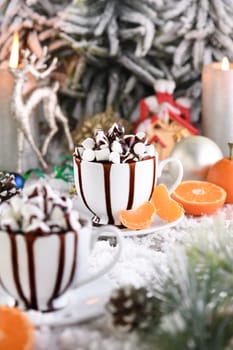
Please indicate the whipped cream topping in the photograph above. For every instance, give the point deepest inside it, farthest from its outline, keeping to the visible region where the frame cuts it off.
(114, 146)
(39, 209)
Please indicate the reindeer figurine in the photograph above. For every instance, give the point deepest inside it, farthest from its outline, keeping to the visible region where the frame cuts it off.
(22, 110)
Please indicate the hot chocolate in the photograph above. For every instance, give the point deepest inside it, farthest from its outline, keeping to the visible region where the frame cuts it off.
(44, 248)
(114, 171)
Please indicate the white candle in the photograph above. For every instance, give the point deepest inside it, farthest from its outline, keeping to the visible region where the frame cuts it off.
(8, 130)
(8, 127)
(217, 103)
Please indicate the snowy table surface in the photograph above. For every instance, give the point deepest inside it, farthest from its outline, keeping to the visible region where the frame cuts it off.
(137, 265)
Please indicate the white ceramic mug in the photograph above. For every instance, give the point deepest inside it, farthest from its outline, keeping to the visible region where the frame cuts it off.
(37, 269)
(106, 188)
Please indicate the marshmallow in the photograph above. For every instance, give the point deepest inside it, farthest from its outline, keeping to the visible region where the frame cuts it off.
(57, 219)
(141, 136)
(99, 133)
(116, 147)
(129, 139)
(139, 148)
(9, 220)
(101, 141)
(116, 130)
(38, 226)
(127, 158)
(102, 155)
(88, 143)
(88, 155)
(114, 157)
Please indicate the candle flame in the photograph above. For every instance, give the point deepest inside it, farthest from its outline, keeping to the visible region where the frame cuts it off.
(14, 57)
(225, 64)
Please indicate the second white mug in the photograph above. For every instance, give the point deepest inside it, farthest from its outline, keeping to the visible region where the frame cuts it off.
(38, 269)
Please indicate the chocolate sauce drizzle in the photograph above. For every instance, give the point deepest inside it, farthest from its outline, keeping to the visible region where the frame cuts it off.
(15, 266)
(131, 184)
(153, 182)
(32, 302)
(81, 185)
(107, 170)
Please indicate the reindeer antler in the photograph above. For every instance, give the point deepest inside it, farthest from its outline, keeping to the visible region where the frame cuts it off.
(39, 69)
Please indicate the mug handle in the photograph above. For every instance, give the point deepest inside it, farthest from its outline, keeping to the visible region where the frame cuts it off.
(179, 165)
(107, 231)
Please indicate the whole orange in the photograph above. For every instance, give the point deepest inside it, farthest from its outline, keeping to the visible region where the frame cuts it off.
(221, 174)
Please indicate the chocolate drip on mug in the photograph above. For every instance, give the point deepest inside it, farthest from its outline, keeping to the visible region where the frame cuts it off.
(31, 271)
(15, 267)
(32, 303)
(154, 172)
(81, 185)
(131, 184)
(107, 170)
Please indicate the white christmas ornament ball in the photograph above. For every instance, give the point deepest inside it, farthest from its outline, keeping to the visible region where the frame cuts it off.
(197, 154)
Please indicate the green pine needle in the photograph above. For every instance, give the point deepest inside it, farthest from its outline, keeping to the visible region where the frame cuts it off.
(196, 299)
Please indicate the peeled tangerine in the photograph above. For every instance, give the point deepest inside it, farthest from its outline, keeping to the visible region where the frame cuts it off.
(160, 204)
(166, 208)
(221, 174)
(138, 218)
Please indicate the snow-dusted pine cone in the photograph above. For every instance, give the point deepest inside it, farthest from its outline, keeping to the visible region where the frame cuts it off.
(131, 308)
(8, 186)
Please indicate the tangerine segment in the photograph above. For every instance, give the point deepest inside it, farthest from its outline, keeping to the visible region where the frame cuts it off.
(166, 208)
(138, 218)
(16, 331)
(199, 197)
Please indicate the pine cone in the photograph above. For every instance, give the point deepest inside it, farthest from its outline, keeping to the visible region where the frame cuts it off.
(7, 186)
(130, 308)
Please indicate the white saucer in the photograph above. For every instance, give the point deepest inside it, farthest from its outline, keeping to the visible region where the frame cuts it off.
(85, 303)
(157, 225)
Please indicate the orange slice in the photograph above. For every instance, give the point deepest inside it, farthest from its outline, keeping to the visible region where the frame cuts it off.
(138, 218)
(199, 197)
(16, 331)
(166, 208)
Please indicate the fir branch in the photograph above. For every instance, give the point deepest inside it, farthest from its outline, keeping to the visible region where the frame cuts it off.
(137, 70)
(181, 7)
(196, 298)
(181, 73)
(152, 69)
(105, 18)
(199, 34)
(198, 53)
(181, 53)
(142, 8)
(76, 29)
(136, 17)
(225, 41)
(113, 86)
(113, 37)
(82, 20)
(202, 14)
